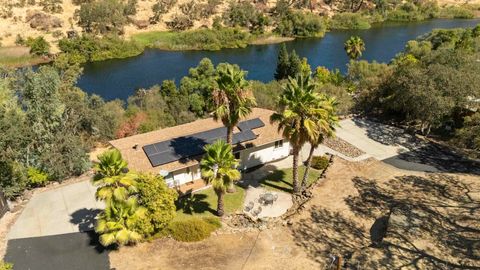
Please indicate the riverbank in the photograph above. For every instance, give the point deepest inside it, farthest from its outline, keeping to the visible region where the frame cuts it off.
(19, 56)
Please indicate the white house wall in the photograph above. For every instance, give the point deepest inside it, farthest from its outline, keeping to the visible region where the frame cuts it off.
(248, 158)
(252, 157)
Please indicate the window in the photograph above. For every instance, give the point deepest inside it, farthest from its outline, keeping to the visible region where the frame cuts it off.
(278, 144)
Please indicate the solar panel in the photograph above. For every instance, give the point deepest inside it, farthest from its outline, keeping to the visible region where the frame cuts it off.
(185, 147)
(250, 124)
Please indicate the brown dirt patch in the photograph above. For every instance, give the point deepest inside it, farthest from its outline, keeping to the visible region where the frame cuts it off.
(271, 249)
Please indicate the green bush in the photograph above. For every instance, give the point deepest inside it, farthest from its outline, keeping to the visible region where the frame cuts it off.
(36, 177)
(320, 162)
(193, 229)
(158, 199)
(349, 20)
(89, 48)
(299, 24)
(38, 46)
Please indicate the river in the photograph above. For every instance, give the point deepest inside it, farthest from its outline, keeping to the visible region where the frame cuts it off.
(119, 78)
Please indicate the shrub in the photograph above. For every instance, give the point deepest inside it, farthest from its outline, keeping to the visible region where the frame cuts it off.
(161, 7)
(456, 12)
(299, 24)
(36, 177)
(210, 39)
(193, 229)
(349, 20)
(158, 199)
(320, 162)
(38, 46)
(180, 23)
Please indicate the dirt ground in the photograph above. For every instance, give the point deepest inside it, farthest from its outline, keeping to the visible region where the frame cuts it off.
(432, 224)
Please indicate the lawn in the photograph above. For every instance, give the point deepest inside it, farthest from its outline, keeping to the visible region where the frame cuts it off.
(281, 180)
(204, 203)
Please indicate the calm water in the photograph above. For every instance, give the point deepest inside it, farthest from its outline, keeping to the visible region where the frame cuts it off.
(119, 78)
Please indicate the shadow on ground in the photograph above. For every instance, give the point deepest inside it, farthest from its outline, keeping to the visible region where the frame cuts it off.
(417, 223)
(194, 203)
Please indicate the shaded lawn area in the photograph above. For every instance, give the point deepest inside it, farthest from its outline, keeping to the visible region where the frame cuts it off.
(204, 203)
(281, 180)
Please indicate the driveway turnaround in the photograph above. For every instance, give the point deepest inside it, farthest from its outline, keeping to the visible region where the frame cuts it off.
(54, 231)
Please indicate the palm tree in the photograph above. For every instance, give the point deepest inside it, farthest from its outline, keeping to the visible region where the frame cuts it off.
(232, 98)
(354, 47)
(297, 117)
(218, 168)
(117, 223)
(327, 120)
(111, 163)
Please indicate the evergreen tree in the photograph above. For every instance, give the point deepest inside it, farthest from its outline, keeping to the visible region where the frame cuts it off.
(283, 63)
(295, 65)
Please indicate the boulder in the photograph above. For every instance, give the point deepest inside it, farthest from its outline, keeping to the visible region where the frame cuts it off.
(42, 21)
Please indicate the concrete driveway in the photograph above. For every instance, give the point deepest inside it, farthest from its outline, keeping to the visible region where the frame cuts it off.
(395, 147)
(54, 231)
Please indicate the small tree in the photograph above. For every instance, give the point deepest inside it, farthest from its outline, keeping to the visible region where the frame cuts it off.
(283, 63)
(38, 46)
(218, 168)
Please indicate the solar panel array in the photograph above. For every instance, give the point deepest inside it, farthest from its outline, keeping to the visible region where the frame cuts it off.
(192, 145)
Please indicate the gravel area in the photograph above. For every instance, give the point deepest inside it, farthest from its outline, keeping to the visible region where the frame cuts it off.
(343, 147)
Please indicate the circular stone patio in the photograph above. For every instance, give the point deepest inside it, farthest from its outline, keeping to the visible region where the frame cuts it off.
(276, 209)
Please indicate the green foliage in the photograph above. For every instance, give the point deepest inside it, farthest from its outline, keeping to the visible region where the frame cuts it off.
(38, 46)
(37, 177)
(299, 24)
(158, 199)
(430, 83)
(89, 48)
(288, 64)
(52, 6)
(232, 98)
(218, 168)
(468, 135)
(193, 229)
(161, 7)
(320, 162)
(110, 163)
(180, 23)
(456, 12)
(266, 94)
(354, 47)
(200, 39)
(349, 20)
(104, 16)
(244, 14)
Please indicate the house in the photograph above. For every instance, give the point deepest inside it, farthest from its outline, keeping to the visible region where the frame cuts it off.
(175, 152)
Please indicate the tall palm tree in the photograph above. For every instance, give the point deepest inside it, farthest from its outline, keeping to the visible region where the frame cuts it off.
(327, 121)
(232, 98)
(218, 168)
(297, 117)
(354, 47)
